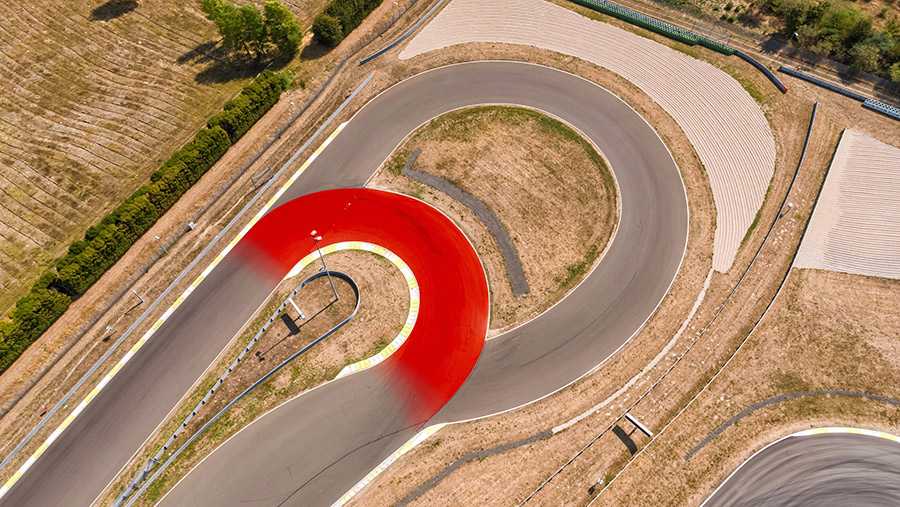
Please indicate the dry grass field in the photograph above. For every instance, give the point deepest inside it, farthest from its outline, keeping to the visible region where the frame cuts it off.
(93, 96)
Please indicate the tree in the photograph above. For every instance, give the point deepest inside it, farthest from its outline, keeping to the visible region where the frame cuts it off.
(866, 58)
(284, 31)
(253, 30)
(895, 72)
(327, 30)
(229, 22)
(245, 29)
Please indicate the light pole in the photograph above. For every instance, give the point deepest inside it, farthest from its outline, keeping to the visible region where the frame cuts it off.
(316, 239)
(398, 10)
(161, 245)
(292, 111)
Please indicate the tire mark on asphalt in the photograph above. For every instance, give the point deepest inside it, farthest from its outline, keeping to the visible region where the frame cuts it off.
(472, 456)
(784, 397)
(498, 231)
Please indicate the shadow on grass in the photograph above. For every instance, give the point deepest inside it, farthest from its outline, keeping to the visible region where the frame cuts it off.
(221, 65)
(626, 439)
(113, 9)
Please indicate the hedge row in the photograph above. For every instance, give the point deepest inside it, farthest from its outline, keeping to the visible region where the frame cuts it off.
(106, 242)
(242, 112)
(339, 18)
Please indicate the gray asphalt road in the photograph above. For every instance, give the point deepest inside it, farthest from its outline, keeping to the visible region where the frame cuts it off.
(817, 471)
(312, 450)
(301, 455)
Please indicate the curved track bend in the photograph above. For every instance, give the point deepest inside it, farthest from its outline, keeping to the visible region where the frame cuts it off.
(298, 453)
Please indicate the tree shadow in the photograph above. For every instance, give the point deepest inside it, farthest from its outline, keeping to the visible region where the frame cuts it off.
(222, 65)
(113, 9)
(314, 51)
(222, 70)
(203, 53)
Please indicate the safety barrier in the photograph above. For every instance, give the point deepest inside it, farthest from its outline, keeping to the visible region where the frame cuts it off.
(762, 68)
(871, 104)
(402, 37)
(673, 32)
(818, 82)
(881, 107)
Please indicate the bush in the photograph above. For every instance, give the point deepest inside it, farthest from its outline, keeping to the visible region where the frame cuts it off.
(327, 30)
(840, 30)
(341, 17)
(243, 111)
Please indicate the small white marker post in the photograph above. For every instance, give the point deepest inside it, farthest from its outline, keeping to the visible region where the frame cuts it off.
(291, 300)
(637, 424)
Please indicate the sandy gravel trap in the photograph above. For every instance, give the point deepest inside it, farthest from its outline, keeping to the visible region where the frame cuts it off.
(723, 123)
(856, 225)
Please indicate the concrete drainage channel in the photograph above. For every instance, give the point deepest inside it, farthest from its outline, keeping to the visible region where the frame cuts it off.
(153, 462)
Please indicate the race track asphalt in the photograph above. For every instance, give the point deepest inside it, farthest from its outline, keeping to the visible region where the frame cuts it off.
(816, 471)
(532, 361)
(314, 460)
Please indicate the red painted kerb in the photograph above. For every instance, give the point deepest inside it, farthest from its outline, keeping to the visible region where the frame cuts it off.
(453, 314)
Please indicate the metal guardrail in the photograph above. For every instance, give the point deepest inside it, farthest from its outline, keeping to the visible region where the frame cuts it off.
(675, 32)
(871, 104)
(153, 462)
(762, 68)
(818, 82)
(402, 37)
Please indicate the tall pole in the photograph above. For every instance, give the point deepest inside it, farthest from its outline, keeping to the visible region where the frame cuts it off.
(316, 239)
(161, 245)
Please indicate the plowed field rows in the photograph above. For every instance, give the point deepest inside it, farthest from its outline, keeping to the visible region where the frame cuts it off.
(91, 101)
(856, 225)
(723, 123)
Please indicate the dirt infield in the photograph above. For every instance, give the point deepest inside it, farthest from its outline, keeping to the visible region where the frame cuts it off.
(855, 227)
(721, 120)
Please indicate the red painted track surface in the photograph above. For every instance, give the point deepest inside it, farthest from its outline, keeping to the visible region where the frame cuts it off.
(452, 322)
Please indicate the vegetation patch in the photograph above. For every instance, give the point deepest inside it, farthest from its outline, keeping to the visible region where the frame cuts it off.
(339, 18)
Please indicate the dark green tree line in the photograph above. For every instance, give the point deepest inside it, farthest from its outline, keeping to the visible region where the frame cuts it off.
(839, 30)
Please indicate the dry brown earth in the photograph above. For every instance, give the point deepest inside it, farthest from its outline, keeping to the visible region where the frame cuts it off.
(722, 121)
(856, 225)
(545, 183)
(827, 330)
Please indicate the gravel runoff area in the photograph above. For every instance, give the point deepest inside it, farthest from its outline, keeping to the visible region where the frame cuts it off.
(856, 224)
(722, 121)
(498, 231)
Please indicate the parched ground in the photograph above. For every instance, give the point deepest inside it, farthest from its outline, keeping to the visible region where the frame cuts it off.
(546, 184)
(722, 121)
(827, 330)
(384, 304)
(94, 96)
(856, 225)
